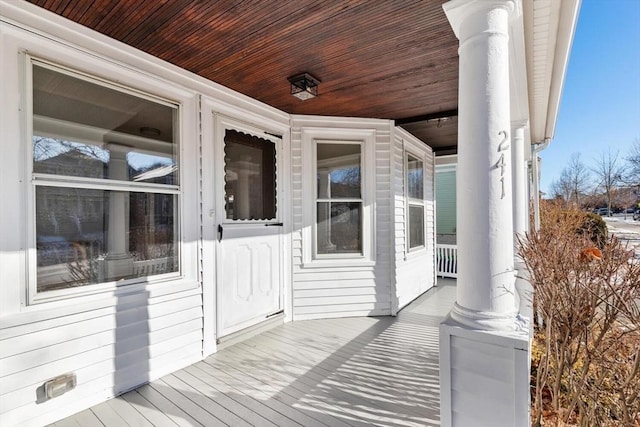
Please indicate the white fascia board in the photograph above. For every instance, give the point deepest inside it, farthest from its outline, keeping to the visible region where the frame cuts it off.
(450, 159)
(412, 141)
(566, 31)
(549, 27)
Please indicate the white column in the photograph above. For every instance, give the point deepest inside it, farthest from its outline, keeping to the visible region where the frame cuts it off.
(119, 263)
(245, 168)
(324, 244)
(535, 189)
(519, 174)
(485, 298)
(484, 344)
(520, 215)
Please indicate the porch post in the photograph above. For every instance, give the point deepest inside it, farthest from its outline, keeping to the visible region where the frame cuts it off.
(119, 263)
(486, 278)
(484, 345)
(520, 204)
(520, 215)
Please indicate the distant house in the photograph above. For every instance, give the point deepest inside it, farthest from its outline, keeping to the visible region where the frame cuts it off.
(446, 200)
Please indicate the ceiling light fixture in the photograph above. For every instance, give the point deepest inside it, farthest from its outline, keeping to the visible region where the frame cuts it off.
(304, 86)
(150, 131)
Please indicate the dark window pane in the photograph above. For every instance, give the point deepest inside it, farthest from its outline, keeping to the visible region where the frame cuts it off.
(250, 176)
(88, 236)
(416, 226)
(339, 228)
(89, 130)
(338, 171)
(415, 178)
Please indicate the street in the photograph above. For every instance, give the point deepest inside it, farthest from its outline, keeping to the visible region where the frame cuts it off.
(626, 230)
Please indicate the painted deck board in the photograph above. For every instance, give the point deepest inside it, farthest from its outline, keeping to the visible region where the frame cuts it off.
(275, 383)
(107, 415)
(353, 372)
(87, 418)
(167, 407)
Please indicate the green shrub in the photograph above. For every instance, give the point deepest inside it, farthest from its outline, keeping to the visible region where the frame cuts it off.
(595, 228)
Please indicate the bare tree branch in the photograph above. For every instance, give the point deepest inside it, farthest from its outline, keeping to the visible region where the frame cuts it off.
(609, 172)
(574, 181)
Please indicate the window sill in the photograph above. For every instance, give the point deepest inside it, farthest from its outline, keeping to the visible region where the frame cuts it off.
(415, 253)
(111, 291)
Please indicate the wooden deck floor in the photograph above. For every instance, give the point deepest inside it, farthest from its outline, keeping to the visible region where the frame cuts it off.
(342, 372)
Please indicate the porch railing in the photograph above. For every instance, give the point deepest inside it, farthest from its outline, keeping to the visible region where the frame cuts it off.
(447, 260)
(153, 266)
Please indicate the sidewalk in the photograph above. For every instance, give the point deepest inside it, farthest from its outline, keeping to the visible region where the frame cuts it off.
(626, 230)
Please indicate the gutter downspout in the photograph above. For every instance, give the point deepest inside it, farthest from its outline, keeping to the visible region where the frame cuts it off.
(535, 178)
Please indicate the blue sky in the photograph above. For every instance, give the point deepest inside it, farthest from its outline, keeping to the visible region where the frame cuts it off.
(600, 105)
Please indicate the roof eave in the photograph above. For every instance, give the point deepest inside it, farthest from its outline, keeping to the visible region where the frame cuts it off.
(549, 30)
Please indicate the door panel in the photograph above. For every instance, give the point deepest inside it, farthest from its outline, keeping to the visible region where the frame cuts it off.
(249, 263)
(250, 273)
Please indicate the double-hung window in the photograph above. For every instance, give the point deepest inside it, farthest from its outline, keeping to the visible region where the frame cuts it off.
(414, 179)
(339, 199)
(105, 183)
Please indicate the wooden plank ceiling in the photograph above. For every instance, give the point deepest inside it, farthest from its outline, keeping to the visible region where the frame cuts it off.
(381, 59)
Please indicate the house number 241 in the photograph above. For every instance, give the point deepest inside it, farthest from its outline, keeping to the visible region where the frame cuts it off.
(502, 147)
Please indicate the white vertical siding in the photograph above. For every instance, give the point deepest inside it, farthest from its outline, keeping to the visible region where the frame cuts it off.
(345, 290)
(414, 271)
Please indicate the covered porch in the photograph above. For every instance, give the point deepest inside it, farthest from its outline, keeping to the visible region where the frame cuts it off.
(197, 152)
(358, 371)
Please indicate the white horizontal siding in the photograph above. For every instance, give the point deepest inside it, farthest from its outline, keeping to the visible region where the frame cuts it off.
(414, 271)
(337, 284)
(321, 293)
(153, 331)
(110, 353)
(96, 385)
(346, 310)
(347, 290)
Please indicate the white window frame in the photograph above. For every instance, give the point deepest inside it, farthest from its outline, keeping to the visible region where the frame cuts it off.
(224, 123)
(330, 200)
(410, 201)
(311, 137)
(40, 180)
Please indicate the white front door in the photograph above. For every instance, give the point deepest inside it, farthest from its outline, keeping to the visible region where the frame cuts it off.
(250, 240)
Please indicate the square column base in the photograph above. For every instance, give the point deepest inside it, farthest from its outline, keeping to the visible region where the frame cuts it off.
(484, 376)
(117, 268)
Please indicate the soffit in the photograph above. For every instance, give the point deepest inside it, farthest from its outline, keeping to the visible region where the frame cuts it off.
(379, 59)
(549, 27)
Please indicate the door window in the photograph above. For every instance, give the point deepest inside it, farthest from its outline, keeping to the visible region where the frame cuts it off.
(250, 177)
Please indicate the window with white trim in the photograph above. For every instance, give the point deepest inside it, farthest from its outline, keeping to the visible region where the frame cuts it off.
(339, 199)
(414, 179)
(104, 163)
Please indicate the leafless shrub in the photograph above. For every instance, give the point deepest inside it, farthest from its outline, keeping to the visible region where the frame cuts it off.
(586, 358)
